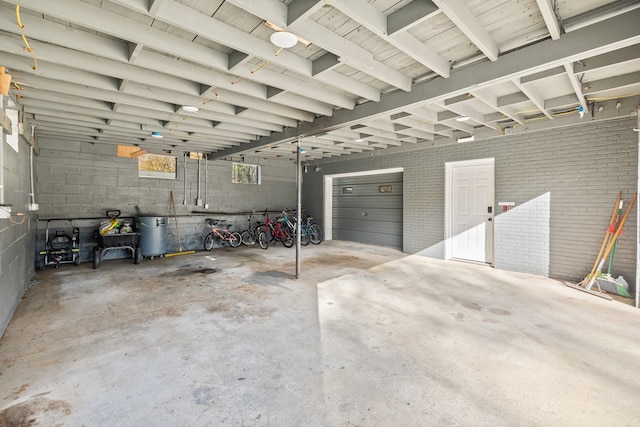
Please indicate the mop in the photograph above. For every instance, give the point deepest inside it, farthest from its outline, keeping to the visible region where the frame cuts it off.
(175, 216)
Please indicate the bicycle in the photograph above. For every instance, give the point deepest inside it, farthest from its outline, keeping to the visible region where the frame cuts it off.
(313, 231)
(223, 234)
(253, 234)
(274, 231)
(291, 225)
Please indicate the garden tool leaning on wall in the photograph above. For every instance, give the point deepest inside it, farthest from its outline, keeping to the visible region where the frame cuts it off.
(613, 232)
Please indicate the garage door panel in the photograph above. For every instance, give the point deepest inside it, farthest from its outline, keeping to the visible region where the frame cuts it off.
(367, 214)
(368, 209)
(379, 239)
(386, 227)
(371, 202)
(351, 190)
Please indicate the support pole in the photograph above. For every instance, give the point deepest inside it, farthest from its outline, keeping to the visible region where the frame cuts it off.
(638, 216)
(298, 206)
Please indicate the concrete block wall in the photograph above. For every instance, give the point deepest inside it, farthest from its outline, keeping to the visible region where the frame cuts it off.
(80, 181)
(17, 237)
(563, 181)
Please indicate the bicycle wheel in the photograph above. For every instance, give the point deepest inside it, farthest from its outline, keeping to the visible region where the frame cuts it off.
(304, 236)
(247, 238)
(288, 240)
(235, 239)
(315, 233)
(262, 240)
(208, 242)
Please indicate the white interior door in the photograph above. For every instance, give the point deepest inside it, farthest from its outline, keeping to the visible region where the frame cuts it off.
(471, 204)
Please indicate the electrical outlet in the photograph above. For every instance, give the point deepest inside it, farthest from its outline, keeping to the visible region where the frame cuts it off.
(198, 202)
(34, 206)
(206, 205)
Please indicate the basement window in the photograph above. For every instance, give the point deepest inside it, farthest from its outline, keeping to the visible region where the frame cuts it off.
(242, 173)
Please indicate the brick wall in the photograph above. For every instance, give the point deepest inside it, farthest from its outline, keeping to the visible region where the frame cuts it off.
(564, 183)
(81, 181)
(17, 239)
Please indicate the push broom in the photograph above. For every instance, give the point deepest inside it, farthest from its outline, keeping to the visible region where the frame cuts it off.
(611, 243)
(175, 216)
(611, 229)
(607, 281)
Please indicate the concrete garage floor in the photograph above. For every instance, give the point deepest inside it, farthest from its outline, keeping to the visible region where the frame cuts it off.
(367, 337)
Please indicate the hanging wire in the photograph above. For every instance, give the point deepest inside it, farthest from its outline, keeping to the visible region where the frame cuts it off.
(18, 17)
(264, 64)
(28, 47)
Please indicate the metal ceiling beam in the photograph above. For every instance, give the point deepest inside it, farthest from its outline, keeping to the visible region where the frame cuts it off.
(627, 54)
(110, 23)
(80, 41)
(460, 15)
(616, 33)
(104, 21)
(549, 16)
(300, 10)
(512, 99)
(81, 87)
(492, 101)
(376, 22)
(189, 19)
(561, 102)
(611, 83)
(605, 12)
(348, 52)
(411, 15)
(576, 84)
(533, 96)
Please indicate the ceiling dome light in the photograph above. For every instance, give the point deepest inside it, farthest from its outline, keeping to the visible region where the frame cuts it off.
(156, 135)
(462, 118)
(190, 108)
(283, 39)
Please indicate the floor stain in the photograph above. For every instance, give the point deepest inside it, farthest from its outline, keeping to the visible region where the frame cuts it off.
(472, 306)
(500, 312)
(267, 278)
(34, 413)
(188, 270)
(16, 394)
(203, 396)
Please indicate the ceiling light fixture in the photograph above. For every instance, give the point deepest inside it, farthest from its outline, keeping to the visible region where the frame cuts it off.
(274, 27)
(283, 39)
(190, 108)
(462, 118)
(156, 134)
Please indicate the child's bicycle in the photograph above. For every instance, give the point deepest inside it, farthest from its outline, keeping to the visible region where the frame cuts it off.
(253, 234)
(220, 235)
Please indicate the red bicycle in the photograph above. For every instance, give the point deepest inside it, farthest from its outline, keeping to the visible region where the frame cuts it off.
(275, 231)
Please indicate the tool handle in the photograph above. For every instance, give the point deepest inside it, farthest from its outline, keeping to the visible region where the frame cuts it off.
(619, 230)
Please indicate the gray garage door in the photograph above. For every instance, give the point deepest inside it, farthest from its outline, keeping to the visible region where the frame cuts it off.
(368, 209)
